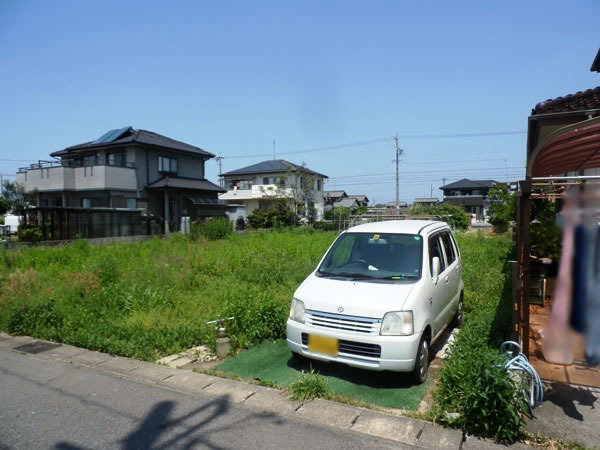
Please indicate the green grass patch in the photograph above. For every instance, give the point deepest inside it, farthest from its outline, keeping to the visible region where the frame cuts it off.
(153, 298)
(472, 381)
(272, 362)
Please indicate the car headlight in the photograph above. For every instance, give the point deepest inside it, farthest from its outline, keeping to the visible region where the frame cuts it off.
(297, 310)
(397, 323)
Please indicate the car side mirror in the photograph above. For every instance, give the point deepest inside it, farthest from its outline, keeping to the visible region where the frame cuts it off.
(435, 271)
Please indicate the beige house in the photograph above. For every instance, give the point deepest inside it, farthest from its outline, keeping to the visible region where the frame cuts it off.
(261, 185)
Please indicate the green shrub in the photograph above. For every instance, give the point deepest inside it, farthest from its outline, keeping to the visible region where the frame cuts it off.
(258, 317)
(454, 215)
(475, 385)
(310, 385)
(29, 233)
(36, 319)
(213, 229)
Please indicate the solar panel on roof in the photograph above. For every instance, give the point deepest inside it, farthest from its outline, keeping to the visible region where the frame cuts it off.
(112, 135)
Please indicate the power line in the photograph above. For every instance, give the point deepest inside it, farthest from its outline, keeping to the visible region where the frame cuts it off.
(387, 139)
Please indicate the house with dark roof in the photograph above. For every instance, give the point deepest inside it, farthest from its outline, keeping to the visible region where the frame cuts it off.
(130, 169)
(472, 195)
(425, 201)
(261, 185)
(361, 199)
(332, 197)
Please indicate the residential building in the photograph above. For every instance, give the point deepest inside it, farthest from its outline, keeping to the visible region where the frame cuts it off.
(347, 202)
(261, 185)
(425, 201)
(362, 200)
(330, 197)
(128, 169)
(472, 195)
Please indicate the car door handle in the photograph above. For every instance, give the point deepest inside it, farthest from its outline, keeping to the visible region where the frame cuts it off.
(446, 278)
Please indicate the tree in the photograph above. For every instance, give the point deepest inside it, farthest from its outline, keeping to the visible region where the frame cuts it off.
(503, 207)
(454, 215)
(15, 198)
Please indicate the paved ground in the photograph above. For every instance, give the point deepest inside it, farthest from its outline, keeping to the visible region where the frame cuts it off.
(64, 397)
(569, 412)
(58, 396)
(48, 404)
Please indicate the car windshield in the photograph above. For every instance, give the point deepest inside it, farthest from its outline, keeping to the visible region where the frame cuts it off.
(374, 256)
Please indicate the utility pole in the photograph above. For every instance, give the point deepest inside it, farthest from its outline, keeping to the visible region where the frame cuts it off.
(273, 148)
(399, 152)
(219, 160)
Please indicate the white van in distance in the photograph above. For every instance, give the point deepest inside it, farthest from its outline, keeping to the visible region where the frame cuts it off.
(381, 295)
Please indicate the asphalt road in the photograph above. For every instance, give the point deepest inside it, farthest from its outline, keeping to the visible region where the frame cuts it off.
(50, 404)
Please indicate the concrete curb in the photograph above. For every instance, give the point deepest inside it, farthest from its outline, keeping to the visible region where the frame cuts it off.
(397, 428)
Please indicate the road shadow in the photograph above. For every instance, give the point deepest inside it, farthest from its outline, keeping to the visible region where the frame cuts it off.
(161, 428)
(567, 397)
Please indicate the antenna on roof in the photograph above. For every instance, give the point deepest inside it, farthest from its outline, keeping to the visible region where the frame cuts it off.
(273, 148)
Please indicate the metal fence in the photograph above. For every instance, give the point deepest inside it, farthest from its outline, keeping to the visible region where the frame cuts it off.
(58, 223)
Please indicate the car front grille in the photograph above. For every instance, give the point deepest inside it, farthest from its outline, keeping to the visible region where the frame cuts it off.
(367, 325)
(353, 348)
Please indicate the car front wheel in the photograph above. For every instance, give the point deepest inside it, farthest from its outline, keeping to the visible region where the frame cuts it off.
(419, 373)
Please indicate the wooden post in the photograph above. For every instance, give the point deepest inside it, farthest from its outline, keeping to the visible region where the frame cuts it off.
(523, 259)
(167, 230)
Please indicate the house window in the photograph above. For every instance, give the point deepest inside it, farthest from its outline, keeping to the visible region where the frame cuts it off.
(86, 202)
(167, 165)
(115, 159)
(131, 203)
(90, 160)
(319, 185)
(265, 180)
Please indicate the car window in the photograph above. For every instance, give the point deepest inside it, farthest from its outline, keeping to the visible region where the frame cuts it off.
(374, 256)
(448, 247)
(435, 249)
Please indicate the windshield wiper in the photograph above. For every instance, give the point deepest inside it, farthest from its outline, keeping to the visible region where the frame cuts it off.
(354, 275)
(400, 276)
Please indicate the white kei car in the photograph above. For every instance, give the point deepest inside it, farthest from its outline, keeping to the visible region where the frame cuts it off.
(381, 295)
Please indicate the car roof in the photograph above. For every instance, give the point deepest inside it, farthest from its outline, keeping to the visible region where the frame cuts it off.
(399, 226)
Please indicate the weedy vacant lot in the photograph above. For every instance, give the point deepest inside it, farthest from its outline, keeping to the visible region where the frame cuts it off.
(153, 298)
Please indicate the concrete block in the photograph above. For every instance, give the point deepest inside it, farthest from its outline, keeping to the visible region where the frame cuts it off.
(64, 352)
(119, 365)
(272, 401)
(151, 372)
(435, 437)
(236, 391)
(396, 428)
(90, 358)
(15, 341)
(475, 443)
(189, 381)
(330, 413)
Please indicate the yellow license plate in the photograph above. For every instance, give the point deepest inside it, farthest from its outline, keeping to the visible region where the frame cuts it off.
(323, 345)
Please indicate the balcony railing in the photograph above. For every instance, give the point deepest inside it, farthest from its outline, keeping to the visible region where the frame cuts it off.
(73, 163)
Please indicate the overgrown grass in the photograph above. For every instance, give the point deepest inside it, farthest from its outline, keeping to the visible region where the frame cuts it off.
(472, 381)
(152, 298)
(310, 385)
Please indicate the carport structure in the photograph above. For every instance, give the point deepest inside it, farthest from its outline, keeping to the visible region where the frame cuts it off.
(563, 151)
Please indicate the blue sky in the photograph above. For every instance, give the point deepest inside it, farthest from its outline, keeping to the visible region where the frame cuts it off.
(231, 76)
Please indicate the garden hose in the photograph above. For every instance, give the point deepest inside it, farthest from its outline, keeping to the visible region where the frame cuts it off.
(519, 363)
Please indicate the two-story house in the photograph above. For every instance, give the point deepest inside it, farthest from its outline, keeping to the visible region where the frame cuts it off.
(472, 195)
(128, 169)
(261, 185)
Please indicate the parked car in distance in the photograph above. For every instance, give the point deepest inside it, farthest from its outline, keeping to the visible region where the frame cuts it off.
(381, 295)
